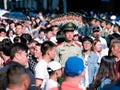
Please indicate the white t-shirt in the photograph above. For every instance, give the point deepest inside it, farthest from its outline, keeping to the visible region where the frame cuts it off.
(38, 40)
(104, 52)
(53, 39)
(51, 84)
(41, 72)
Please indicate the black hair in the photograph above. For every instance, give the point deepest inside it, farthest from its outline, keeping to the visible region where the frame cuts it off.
(16, 39)
(5, 46)
(17, 47)
(106, 70)
(25, 38)
(2, 30)
(42, 30)
(86, 38)
(8, 32)
(18, 24)
(46, 46)
(52, 27)
(50, 71)
(112, 37)
(47, 30)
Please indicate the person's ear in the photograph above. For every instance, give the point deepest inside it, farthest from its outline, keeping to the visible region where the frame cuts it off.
(48, 52)
(56, 72)
(17, 55)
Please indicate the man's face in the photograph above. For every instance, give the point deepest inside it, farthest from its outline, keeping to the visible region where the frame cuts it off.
(19, 29)
(32, 47)
(108, 26)
(115, 47)
(52, 52)
(69, 35)
(22, 57)
(87, 45)
(93, 22)
(115, 29)
(96, 34)
(37, 52)
(55, 30)
(49, 34)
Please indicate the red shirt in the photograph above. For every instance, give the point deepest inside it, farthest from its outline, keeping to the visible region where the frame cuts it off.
(67, 86)
(117, 66)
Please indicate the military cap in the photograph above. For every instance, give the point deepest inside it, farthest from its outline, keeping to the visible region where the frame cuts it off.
(104, 20)
(92, 19)
(82, 15)
(97, 19)
(116, 25)
(109, 22)
(69, 27)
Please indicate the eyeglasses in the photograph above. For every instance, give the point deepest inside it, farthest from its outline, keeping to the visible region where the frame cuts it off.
(96, 28)
(86, 43)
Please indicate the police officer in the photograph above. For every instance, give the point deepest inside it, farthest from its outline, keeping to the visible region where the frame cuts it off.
(68, 47)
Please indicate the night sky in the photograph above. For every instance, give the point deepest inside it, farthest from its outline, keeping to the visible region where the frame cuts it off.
(77, 5)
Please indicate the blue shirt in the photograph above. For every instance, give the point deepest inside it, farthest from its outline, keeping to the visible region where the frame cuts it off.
(113, 86)
(32, 77)
(104, 82)
(92, 62)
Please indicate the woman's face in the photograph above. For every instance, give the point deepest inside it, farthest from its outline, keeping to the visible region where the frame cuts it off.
(98, 46)
(76, 37)
(37, 20)
(11, 33)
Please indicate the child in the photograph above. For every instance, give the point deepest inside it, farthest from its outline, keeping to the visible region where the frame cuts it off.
(54, 70)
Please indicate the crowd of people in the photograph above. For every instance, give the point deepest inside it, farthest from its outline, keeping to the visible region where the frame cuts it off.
(70, 51)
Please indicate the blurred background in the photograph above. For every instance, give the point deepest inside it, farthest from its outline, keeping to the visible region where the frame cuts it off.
(61, 6)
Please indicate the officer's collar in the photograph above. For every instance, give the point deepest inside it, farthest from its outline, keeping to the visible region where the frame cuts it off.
(66, 44)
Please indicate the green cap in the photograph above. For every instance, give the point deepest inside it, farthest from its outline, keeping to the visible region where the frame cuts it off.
(116, 25)
(69, 27)
(109, 22)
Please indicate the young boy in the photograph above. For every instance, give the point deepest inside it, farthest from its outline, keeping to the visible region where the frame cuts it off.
(55, 72)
